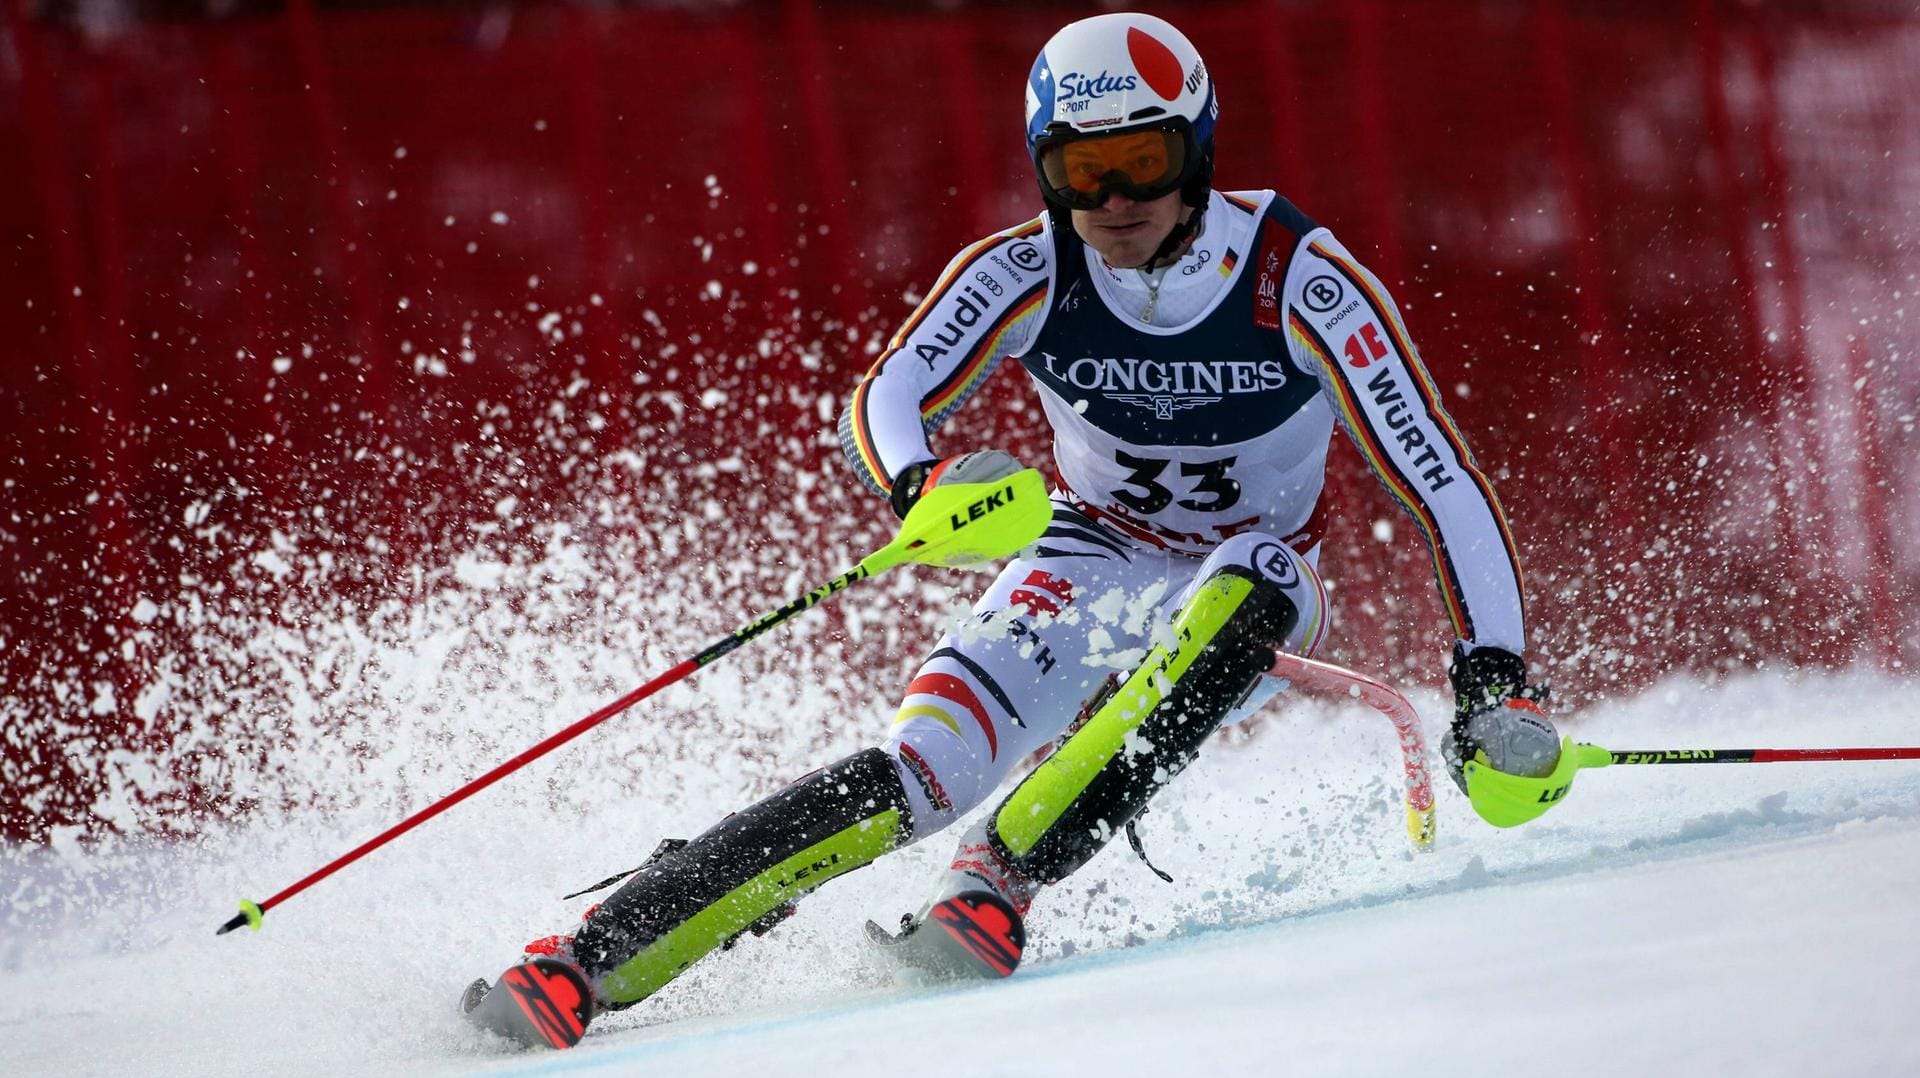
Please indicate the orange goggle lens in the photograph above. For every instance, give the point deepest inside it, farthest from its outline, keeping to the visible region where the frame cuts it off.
(1142, 164)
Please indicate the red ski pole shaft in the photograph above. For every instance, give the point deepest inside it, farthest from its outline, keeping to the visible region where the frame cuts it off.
(252, 912)
(1756, 756)
(955, 523)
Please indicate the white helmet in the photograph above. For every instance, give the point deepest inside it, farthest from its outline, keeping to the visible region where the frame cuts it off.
(1131, 96)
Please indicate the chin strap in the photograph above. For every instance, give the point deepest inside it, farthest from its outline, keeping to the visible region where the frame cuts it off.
(1176, 242)
(1195, 193)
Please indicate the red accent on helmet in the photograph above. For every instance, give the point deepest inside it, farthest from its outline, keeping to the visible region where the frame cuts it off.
(1156, 63)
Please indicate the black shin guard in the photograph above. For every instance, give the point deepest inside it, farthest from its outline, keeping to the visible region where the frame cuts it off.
(1148, 731)
(680, 907)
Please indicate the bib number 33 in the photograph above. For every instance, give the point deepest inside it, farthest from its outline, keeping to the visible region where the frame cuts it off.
(1209, 488)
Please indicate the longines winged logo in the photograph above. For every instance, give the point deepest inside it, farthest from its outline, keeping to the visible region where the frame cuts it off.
(1163, 407)
(1164, 386)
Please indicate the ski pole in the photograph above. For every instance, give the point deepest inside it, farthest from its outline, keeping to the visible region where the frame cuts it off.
(1506, 800)
(951, 525)
(1745, 756)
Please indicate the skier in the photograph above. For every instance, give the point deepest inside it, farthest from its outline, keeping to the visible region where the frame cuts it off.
(1192, 350)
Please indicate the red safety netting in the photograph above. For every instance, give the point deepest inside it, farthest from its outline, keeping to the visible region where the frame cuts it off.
(353, 279)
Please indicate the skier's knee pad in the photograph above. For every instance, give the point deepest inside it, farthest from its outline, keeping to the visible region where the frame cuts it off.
(1288, 571)
(1149, 729)
(678, 908)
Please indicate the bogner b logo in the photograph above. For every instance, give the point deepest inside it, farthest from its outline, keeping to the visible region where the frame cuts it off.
(1323, 294)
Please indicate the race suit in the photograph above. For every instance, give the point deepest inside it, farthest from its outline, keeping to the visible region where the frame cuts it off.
(1192, 409)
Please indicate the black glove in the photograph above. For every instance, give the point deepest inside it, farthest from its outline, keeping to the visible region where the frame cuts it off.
(907, 486)
(1498, 718)
(982, 466)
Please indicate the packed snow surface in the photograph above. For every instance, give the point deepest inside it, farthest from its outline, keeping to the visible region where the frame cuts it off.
(1715, 919)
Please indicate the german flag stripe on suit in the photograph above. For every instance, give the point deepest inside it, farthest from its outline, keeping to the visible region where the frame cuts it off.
(1373, 444)
(1429, 395)
(959, 383)
(1368, 440)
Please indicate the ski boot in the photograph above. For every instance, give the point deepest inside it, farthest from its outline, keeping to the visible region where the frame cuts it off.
(541, 1003)
(740, 876)
(974, 929)
(545, 1001)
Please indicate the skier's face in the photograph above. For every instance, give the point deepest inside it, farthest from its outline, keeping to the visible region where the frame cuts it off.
(1125, 232)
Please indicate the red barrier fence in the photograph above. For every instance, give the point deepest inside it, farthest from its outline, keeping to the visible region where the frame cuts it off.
(371, 281)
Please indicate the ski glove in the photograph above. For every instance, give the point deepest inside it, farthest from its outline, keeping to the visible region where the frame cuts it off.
(984, 466)
(1501, 749)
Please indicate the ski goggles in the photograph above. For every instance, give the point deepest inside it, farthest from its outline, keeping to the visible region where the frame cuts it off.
(1142, 163)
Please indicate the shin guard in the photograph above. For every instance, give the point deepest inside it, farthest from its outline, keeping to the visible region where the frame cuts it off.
(1148, 731)
(678, 908)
